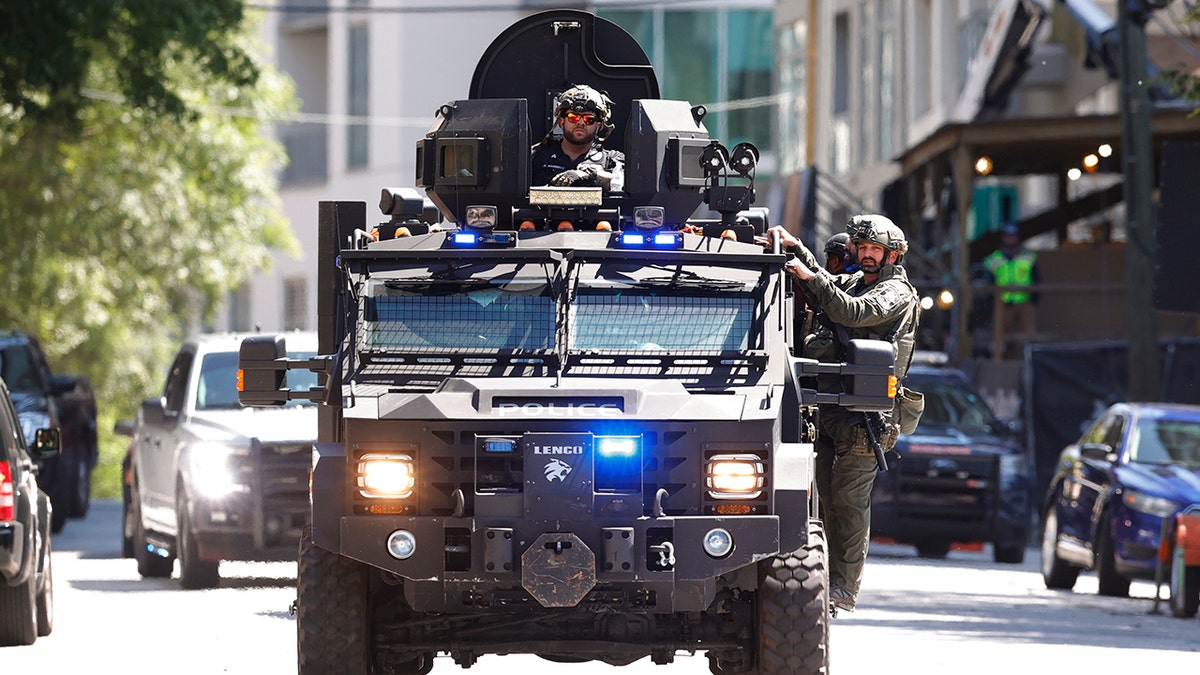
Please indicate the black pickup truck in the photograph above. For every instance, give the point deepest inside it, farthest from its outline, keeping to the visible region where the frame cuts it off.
(26, 587)
(45, 399)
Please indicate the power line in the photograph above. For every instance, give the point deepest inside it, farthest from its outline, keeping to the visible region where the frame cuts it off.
(382, 120)
(318, 8)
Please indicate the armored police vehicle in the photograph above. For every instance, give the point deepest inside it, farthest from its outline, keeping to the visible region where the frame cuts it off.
(561, 421)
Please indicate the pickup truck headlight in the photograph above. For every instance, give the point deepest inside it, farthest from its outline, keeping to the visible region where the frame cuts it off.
(1149, 504)
(734, 476)
(383, 476)
(212, 473)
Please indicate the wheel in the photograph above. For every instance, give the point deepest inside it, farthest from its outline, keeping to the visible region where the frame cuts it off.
(45, 599)
(332, 626)
(933, 549)
(60, 507)
(126, 524)
(1111, 582)
(81, 491)
(1056, 573)
(792, 607)
(1009, 553)
(1185, 586)
(150, 565)
(194, 572)
(19, 613)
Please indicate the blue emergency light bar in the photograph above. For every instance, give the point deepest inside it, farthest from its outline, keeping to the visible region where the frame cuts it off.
(664, 241)
(480, 238)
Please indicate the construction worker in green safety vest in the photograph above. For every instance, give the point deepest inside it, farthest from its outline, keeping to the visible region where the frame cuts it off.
(1012, 267)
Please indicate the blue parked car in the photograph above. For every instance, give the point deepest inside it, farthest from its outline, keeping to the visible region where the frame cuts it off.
(1138, 465)
(962, 476)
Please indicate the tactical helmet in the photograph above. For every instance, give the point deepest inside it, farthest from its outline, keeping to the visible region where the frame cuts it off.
(837, 244)
(582, 98)
(880, 230)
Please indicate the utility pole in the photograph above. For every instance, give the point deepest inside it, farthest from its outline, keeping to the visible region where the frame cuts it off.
(1145, 380)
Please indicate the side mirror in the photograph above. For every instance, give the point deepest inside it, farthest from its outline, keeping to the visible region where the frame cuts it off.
(262, 368)
(123, 427)
(46, 443)
(869, 376)
(1097, 452)
(153, 411)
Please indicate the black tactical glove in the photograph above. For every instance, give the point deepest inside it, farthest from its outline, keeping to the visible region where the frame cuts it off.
(587, 175)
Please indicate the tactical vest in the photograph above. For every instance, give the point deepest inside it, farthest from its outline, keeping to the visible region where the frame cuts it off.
(1015, 271)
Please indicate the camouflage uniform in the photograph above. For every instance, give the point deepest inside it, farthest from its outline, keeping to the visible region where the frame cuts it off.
(884, 310)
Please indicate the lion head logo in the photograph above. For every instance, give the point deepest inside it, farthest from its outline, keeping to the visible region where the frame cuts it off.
(556, 469)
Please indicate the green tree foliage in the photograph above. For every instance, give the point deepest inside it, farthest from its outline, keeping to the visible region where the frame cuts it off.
(1182, 82)
(136, 185)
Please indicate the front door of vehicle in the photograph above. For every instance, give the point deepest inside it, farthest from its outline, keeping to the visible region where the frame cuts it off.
(156, 454)
(1091, 479)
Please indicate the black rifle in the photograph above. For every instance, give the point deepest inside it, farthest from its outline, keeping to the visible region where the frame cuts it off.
(874, 423)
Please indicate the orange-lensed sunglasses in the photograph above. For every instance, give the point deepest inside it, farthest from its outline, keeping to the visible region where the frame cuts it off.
(575, 118)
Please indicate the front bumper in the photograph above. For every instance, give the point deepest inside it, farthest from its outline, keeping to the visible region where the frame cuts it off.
(472, 564)
(12, 550)
(940, 498)
(243, 527)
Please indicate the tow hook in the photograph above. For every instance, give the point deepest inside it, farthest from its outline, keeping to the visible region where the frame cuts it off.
(666, 554)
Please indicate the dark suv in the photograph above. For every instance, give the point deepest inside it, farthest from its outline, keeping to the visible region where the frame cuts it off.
(26, 588)
(962, 476)
(45, 399)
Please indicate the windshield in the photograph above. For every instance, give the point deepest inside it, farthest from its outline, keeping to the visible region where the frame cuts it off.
(1166, 441)
(637, 307)
(953, 404)
(493, 314)
(648, 321)
(18, 373)
(217, 388)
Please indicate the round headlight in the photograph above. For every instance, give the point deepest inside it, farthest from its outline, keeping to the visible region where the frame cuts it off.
(401, 544)
(718, 542)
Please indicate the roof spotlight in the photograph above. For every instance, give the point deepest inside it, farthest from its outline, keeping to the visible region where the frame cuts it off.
(649, 217)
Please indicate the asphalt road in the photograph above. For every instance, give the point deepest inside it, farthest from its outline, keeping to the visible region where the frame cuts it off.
(962, 614)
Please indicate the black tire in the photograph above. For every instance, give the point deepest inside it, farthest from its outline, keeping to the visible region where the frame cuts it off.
(149, 565)
(936, 550)
(194, 572)
(792, 607)
(332, 622)
(126, 524)
(81, 487)
(1056, 572)
(45, 598)
(1185, 586)
(1008, 552)
(60, 510)
(18, 613)
(1112, 583)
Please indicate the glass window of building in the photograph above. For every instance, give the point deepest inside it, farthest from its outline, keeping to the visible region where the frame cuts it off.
(295, 303)
(885, 14)
(358, 138)
(792, 54)
(722, 58)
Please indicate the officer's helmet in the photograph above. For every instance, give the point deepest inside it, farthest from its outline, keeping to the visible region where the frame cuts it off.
(838, 244)
(880, 230)
(584, 99)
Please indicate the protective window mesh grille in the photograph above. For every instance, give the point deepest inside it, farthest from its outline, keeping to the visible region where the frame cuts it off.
(628, 321)
(488, 321)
